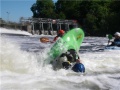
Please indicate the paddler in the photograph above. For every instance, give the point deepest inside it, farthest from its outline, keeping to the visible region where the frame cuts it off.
(71, 59)
(116, 41)
(59, 34)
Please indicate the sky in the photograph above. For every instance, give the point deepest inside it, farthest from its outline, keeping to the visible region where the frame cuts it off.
(12, 10)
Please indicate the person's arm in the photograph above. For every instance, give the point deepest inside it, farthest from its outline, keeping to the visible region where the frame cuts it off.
(54, 39)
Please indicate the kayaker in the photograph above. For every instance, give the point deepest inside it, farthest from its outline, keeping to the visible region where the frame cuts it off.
(59, 34)
(68, 58)
(116, 41)
(66, 63)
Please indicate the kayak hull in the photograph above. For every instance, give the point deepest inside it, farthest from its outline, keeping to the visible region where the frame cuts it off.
(71, 40)
(112, 48)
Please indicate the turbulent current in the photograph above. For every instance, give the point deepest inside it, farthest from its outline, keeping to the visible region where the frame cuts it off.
(22, 58)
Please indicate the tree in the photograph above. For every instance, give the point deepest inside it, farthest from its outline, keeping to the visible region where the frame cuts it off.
(114, 17)
(68, 8)
(93, 16)
(96, 17)
(43, 9)
(34, 10)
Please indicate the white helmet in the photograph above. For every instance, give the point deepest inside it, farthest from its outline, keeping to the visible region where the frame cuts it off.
(117, 34)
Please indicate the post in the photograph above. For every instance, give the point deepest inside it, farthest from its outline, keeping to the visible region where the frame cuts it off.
(8, 16)
(33, 31)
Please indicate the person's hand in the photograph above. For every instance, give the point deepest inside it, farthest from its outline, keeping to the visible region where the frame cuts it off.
(78, 61)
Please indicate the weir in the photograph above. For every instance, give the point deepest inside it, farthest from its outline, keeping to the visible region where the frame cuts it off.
(47, 26)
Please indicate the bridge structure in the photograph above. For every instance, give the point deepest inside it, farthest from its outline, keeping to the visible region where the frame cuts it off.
(47, 25)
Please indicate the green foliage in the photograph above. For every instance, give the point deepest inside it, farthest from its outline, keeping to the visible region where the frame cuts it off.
(43, 8)
(97, 17)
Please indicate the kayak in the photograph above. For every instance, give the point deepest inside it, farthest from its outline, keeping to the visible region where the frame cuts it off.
(71, 40)
(112, 48)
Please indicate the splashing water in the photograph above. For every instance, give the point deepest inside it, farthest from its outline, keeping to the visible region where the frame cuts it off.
(21, 67)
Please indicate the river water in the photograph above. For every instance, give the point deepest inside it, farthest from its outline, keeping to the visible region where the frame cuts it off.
(22, 58)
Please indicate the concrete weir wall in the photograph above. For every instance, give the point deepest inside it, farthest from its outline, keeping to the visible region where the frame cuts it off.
(47, 26)
(39, 26)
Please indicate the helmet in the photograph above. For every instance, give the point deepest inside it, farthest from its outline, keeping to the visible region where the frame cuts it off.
(78, 67)
(61, 32)
(117, 34)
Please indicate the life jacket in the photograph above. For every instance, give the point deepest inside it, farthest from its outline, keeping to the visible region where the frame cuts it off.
(59, 35)
(71, 55)
(117, 42)
(55, 38)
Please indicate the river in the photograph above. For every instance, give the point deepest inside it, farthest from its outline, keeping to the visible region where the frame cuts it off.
(22, 58)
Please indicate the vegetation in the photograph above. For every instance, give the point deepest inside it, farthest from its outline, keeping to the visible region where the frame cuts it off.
(9, 24)
(96, 17)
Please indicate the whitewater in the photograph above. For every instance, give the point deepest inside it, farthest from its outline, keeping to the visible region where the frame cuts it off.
(22, 57)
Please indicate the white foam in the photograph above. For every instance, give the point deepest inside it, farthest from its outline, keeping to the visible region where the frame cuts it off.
(12, 31)
(22, 70)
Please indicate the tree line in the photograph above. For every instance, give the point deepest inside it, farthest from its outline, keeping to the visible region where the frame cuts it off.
(96, 17)
(9, 24)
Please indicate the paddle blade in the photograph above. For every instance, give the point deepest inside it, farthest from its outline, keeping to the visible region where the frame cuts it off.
(44, 39)
(110, 36)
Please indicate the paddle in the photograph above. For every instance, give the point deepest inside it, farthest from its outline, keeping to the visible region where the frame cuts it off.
(109, 36)
(44, 39)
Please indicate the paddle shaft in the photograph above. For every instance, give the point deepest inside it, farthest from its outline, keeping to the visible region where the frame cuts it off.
(109, 37)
